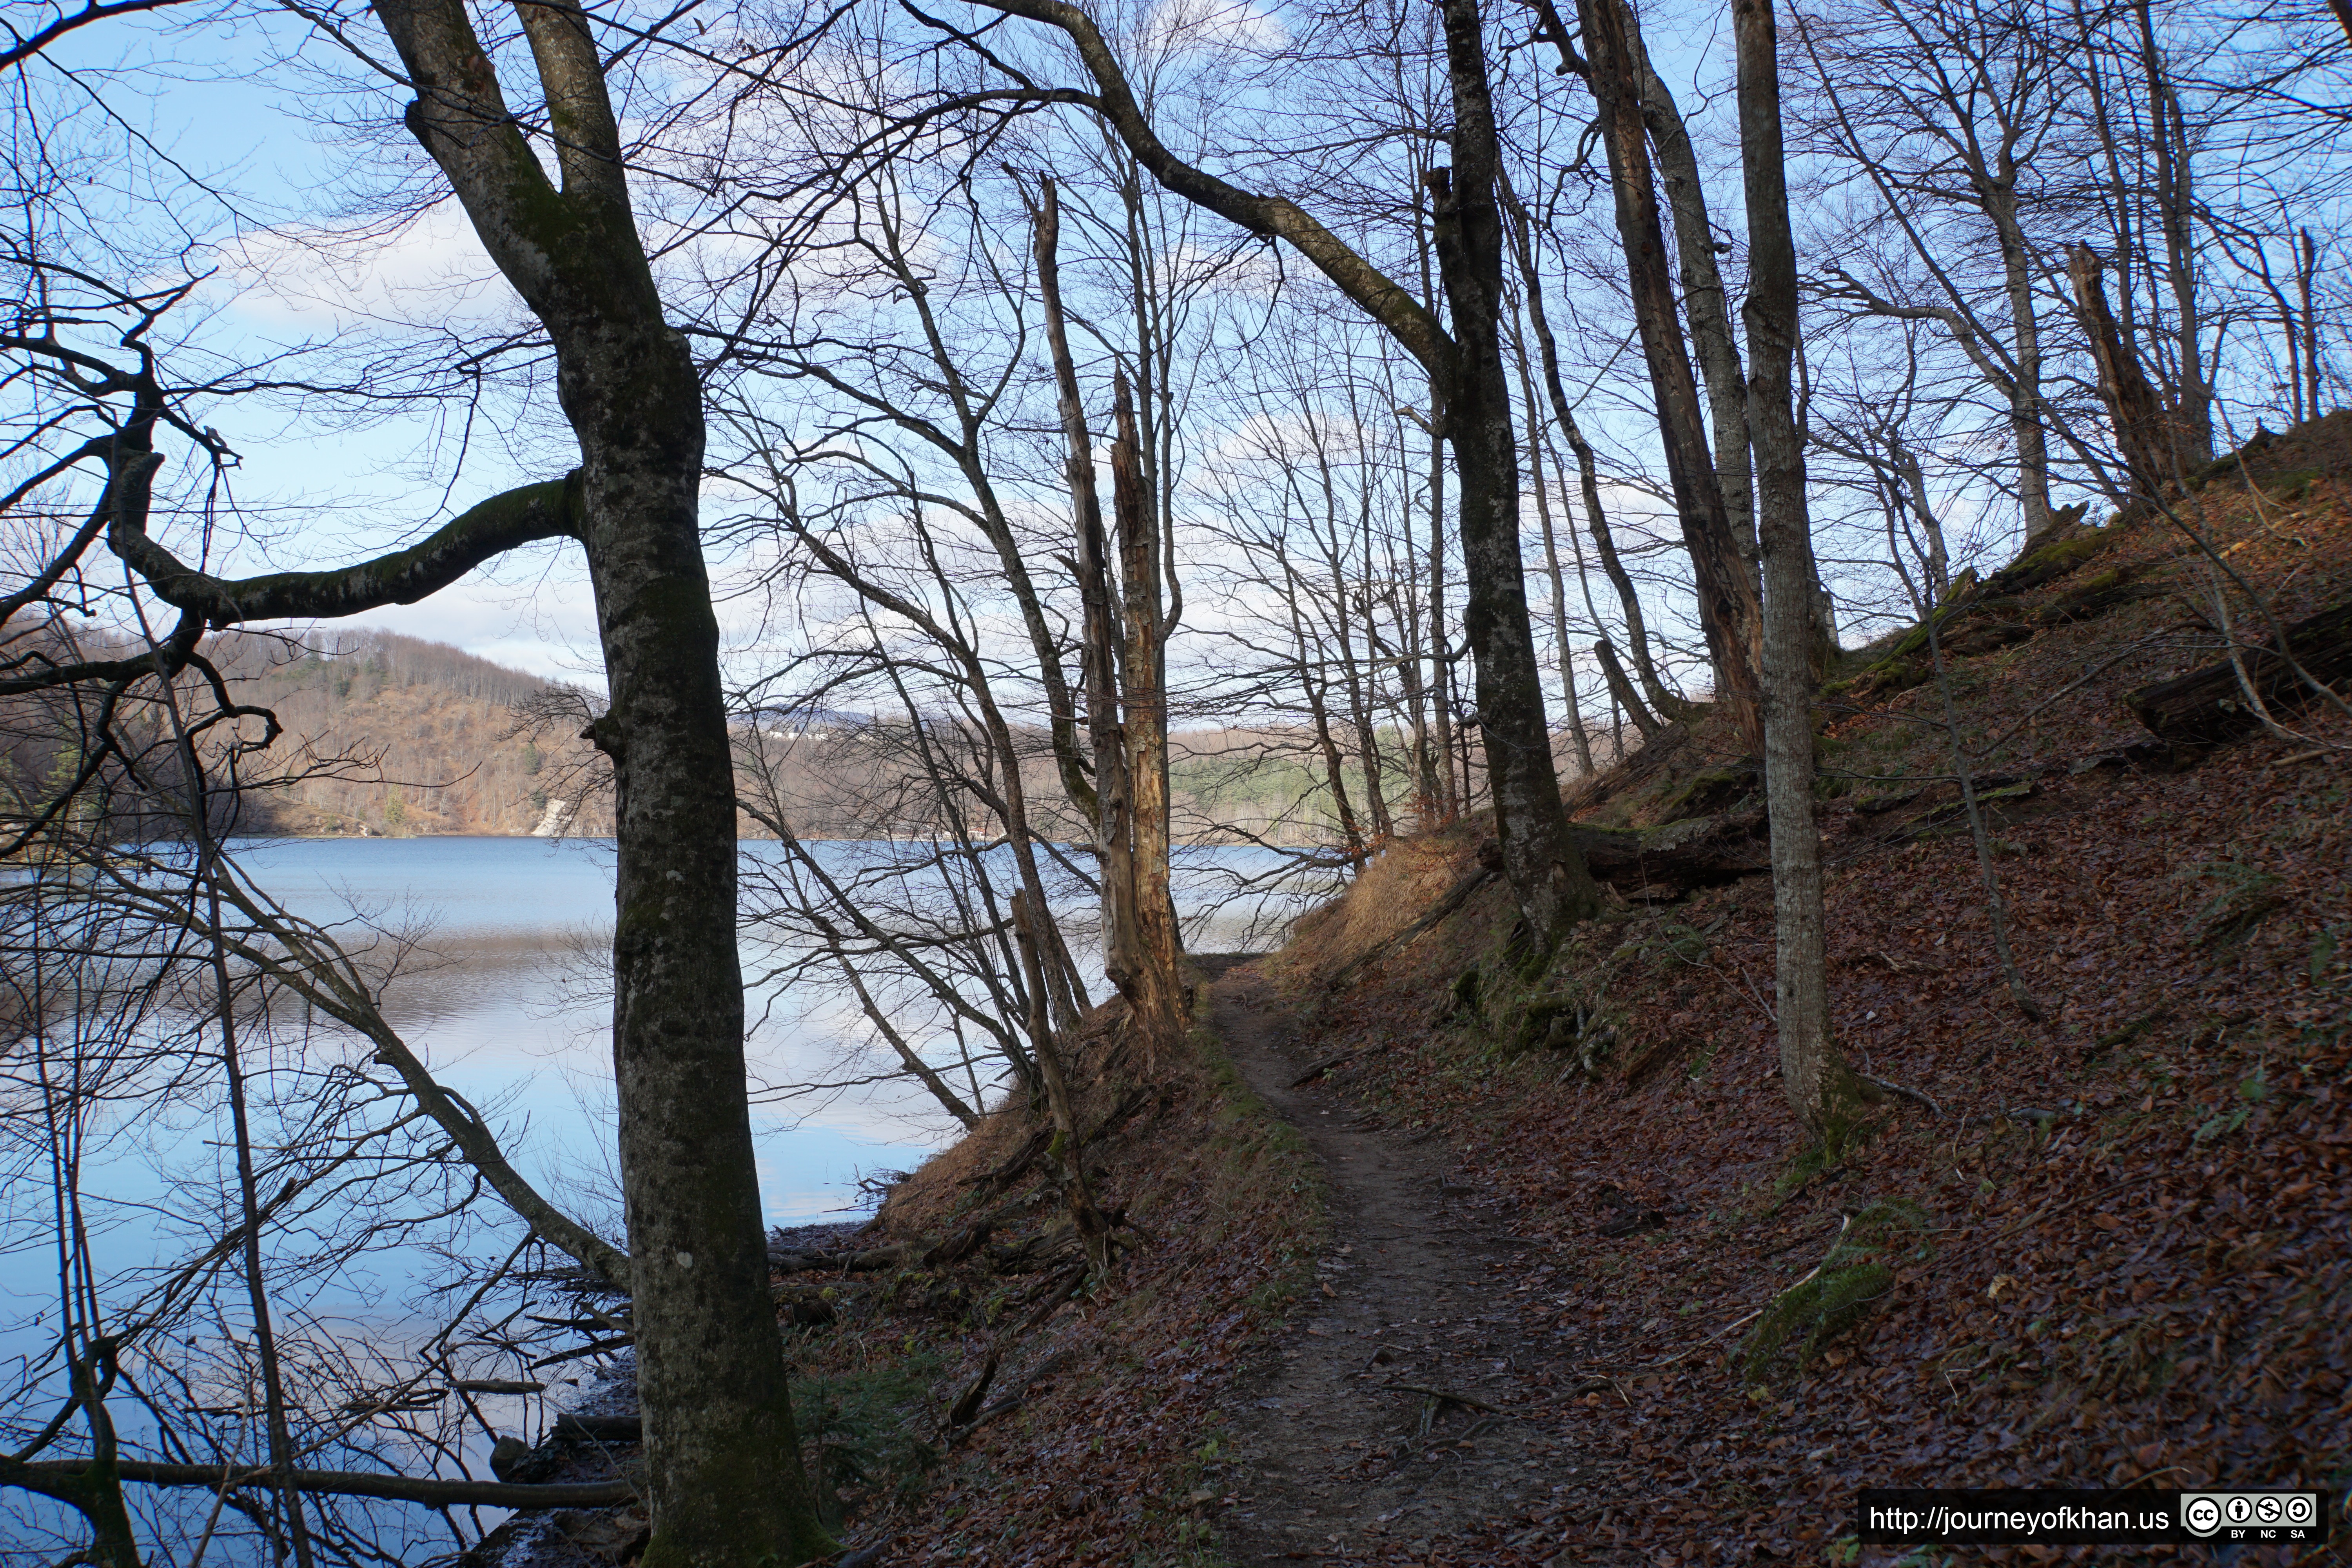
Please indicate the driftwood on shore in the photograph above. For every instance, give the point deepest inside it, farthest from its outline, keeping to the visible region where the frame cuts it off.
(50, 1477)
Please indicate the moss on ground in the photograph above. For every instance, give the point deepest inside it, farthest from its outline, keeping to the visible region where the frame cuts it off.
(1805, 1319)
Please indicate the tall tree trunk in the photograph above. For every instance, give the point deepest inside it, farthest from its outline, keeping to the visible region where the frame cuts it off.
(2306, 273)
(1588, 469)
(1551, 556)
(2020, 277)
(1440, 668)
(1811, 1074)
(2192, 393)
(1705, 298)
(1437, 768)
(1546, 874)
(1728, 598)
(1367, 736)
(1159, 939)
(1113, 791)
(1351, 671)
(2132, 406)
(723, 1471)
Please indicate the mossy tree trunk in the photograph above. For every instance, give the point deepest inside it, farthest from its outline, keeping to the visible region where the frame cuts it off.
(725, 1478)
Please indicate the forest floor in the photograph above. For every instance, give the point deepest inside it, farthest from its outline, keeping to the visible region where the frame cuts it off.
(1438, 1260)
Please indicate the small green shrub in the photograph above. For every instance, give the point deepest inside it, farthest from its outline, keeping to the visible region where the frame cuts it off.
(857, 1429)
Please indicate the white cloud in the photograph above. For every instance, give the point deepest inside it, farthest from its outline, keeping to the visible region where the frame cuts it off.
(430, 269)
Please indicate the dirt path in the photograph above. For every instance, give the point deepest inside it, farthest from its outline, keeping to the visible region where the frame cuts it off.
(1332, 1462)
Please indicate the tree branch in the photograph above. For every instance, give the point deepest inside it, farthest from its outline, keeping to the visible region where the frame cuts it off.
(57, 1477)
(1269, 218)
(548, 510)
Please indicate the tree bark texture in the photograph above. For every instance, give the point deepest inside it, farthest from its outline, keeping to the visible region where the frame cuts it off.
(2210, 704)
(1114, 800)
(1548, 876)
(1731, 610)
(1448, 800)
(1810, 1070)
(2021, 277)
(2132, 405)
(1705, 300)
(1160, 1006)
(724, 1476)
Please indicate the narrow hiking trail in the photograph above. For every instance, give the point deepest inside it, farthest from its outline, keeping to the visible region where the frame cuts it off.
(1342, 1448)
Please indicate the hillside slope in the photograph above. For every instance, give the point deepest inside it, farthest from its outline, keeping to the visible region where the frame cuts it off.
(391, 735)
(388, 734)
(1435, 1262)
(2111, 1247)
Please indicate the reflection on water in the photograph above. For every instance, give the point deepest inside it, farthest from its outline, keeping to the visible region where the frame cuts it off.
(497, 950)
(503, 997)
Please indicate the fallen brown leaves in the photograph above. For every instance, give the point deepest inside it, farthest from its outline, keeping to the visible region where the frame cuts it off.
(2118, 1250)
(2136, 1237)
(1097, 1464)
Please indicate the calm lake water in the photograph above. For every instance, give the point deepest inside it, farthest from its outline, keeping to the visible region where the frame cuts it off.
(501, 1010)
(503, 1002)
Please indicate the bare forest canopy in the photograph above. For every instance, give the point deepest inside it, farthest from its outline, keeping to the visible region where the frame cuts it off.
(1023, 438)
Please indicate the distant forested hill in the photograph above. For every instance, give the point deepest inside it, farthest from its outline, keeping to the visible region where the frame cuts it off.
(391, 735)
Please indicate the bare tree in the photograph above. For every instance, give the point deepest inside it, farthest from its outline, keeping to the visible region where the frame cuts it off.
(1546, 873)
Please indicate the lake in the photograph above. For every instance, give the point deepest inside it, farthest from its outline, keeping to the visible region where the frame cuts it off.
(501, 997)
(502, 1012)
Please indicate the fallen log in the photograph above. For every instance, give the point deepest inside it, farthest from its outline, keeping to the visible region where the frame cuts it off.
(579, 1428)
(895, 1256)
(433, 1493)
(1696, 852)
(2209, 706)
